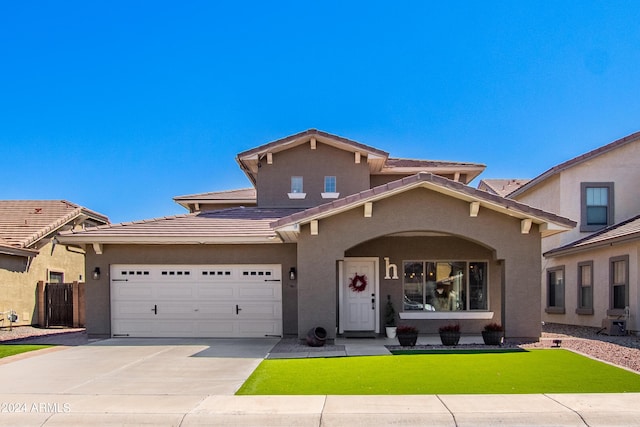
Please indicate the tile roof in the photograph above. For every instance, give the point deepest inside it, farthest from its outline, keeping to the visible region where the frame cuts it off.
(393, 162)
(501, 187)
(24, 222)
(575, 161)
(220, 196)
(624, 231)
(438, 183)
(233, 225)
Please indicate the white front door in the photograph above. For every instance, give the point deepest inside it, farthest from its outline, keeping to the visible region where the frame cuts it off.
(359, 308)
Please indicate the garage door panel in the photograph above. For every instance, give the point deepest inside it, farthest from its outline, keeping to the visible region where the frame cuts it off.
(124, 292)
(216, 291)
(177, 292)
(196, 301)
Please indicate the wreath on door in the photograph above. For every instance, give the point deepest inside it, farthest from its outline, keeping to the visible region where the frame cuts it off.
(358, 283)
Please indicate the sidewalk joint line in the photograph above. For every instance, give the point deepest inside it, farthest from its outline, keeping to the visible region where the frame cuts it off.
(569, 408)
(455, 422)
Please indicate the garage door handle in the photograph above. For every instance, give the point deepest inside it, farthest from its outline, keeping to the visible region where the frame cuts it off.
(238, 309)
(155, 309)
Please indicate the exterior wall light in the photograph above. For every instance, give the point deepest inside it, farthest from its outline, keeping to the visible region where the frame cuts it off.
(96, 273)
(292, 273)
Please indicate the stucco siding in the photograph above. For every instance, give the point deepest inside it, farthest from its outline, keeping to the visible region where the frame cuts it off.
(19, 285)
(422, 210)
(601, 285)
(274, 180)
(97, 292)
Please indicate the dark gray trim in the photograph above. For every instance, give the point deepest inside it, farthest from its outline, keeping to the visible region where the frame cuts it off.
(613, 310)
(581, 309)
(556, 309)
(584, 227)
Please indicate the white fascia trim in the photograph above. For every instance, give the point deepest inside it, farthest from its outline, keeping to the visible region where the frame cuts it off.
(447, 315)
(297, 195)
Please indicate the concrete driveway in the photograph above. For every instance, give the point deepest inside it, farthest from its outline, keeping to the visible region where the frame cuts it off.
(180, 382)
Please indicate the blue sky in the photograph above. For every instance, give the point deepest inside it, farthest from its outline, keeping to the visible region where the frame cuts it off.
(121, 105)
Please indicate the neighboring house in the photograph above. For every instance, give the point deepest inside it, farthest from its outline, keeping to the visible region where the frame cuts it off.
(333, 228)
(29, 252)
(501, 187)
(592, 273)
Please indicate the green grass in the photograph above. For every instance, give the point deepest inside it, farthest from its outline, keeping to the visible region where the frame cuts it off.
(536, 371)
(11, 349)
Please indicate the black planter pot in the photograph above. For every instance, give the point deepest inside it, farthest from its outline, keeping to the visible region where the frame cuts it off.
(407, 340)
(492, 337)
(450, 338)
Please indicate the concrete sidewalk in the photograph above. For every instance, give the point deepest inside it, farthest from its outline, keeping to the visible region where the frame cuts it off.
(415, 410)
(182, 382)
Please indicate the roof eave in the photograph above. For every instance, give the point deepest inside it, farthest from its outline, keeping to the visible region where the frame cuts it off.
(590, 246)
(162, 240)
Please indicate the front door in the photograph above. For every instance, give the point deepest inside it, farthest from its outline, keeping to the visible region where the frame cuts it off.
(359, 295)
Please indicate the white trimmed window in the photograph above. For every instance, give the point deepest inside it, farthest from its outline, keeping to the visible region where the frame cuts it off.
(297, 188)
(445, 286)
(330, 188)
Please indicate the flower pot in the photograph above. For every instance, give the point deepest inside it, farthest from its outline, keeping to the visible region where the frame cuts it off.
(391, 331)
(449, 338)
(407, 340)
(492, 337)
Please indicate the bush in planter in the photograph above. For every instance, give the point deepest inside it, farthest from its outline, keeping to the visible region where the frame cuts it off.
(450, 334)
(492, 334)
(390, 318)
(407, 335)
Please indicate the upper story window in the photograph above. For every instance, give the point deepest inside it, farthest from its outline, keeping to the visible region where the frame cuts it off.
(56, 277)
(297, 190)
(330, 188)
(329, 184)
(597, 205)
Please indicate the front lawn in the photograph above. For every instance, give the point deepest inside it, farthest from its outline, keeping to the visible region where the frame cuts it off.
(11, 349)
(536, 371)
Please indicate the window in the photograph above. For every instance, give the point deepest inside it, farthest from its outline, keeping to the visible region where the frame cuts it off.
(329, 184)
(555, 290)
(296, 188)
(330, 191)
(56, 277)
(597, 205)
(445, 286)
(619, 292)
(585, 288)
(296, 184)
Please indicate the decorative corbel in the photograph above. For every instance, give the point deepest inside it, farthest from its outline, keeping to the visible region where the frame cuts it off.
(474, 208)
(97, 247)
(313, 142)
(357, 157)
(368, 209)
(269, 158)
(525, 225)
(314, 227)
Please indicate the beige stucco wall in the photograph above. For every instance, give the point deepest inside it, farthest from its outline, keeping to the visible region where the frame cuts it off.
(561, 193)
(424, 210)
(97, 291)
(274, 181)
(601, 285)
(18, 287)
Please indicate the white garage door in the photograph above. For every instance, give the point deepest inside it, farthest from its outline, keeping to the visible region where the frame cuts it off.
(196, 300)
